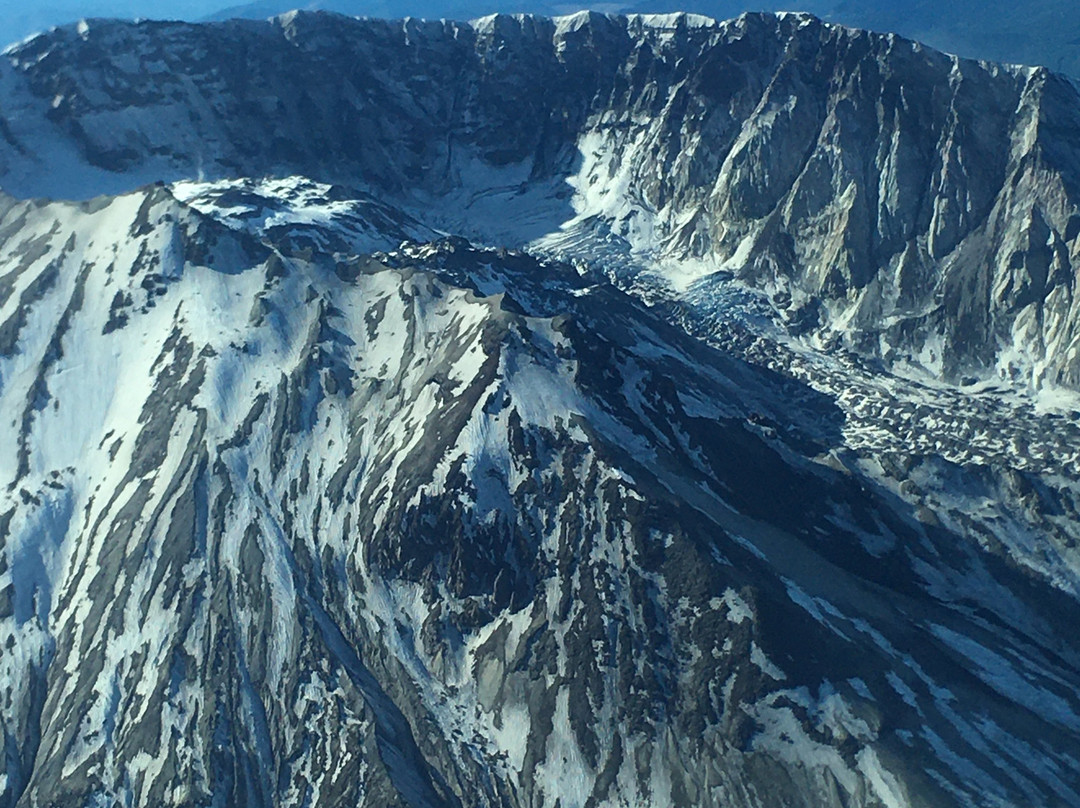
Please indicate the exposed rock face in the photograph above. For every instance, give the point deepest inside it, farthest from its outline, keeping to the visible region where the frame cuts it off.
(302, 503)
(916, 207)
(1037, 32)
(463, 529)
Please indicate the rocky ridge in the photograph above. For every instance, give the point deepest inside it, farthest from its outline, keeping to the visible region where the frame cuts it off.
(307, 503)
(464, 529)
(909, 205)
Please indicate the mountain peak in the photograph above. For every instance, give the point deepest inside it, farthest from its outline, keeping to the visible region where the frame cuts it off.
(593, 411)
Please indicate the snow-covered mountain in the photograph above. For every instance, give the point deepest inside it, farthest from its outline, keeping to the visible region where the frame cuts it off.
(911, 206)
(1035, 32)
(535, 413)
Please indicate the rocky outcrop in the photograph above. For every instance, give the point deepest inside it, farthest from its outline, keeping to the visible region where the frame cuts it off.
(305, 502)
(912, 206)
(463, 529)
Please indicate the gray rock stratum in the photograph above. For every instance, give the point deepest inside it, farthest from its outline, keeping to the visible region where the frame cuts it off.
(655, 491)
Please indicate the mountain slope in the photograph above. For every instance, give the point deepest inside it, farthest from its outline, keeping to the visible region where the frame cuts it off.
(1040, 32)
(304, 501)
(929, 204)
(464, 529)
